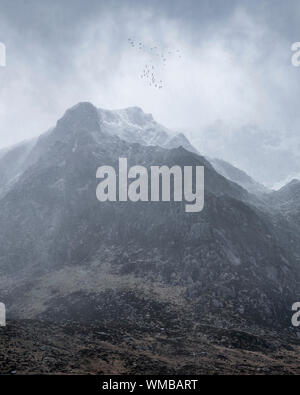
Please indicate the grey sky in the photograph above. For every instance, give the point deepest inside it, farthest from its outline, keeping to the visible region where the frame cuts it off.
(235, 67)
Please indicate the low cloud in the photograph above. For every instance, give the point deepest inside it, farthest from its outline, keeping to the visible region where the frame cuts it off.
(235, 68)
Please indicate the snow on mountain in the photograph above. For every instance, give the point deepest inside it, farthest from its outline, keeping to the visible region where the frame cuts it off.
(131, 124)
(134, 126)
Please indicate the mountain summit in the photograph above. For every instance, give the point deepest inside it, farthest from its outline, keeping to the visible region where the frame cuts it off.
(134, 126)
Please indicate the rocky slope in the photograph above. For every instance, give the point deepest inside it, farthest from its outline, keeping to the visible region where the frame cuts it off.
(37, 347)
(240, 177)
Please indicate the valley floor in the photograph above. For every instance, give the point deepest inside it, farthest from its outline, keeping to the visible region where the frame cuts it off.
(40, 347)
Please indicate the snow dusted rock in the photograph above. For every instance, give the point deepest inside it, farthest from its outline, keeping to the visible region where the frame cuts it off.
(134, 126)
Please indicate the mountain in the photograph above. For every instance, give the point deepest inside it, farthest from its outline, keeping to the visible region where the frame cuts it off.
(134, 126)
(288, 194)
(66, 256)
(255, 149)
(130, 124)
(13, 162)
(287, 201)
(240, 177)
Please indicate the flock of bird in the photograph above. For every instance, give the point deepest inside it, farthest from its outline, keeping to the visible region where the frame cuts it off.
(150, 72)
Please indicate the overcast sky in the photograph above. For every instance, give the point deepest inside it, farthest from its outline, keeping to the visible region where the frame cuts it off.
(235, 65)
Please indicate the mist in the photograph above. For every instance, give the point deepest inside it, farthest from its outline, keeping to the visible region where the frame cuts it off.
(235, 67)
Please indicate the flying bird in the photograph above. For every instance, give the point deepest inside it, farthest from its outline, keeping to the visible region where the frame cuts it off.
(158, 58)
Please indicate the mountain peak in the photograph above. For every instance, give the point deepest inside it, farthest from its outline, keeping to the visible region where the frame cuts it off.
(294, 183)
(81, 117)
(85, 105)
(133, 125)
(138, 116)
(288, 194)
(131, 116)
(82, 109)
